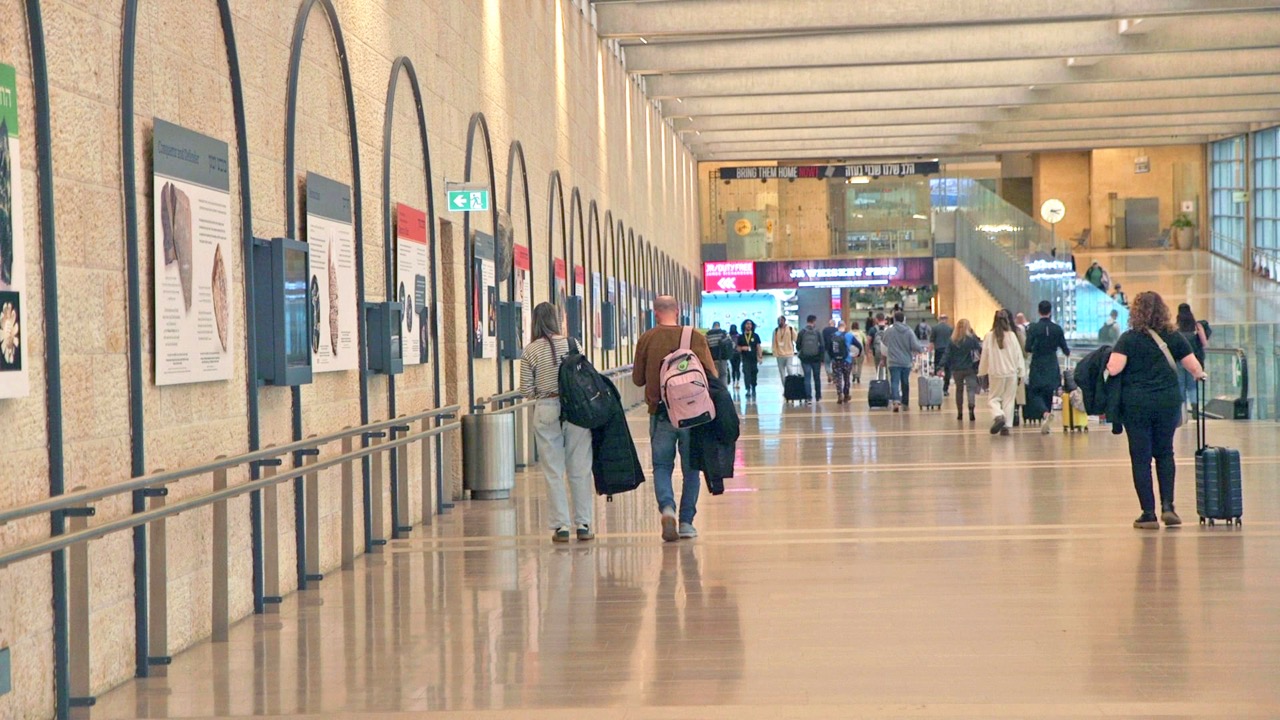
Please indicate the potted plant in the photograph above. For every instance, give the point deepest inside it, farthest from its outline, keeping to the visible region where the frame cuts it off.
(1183, 230)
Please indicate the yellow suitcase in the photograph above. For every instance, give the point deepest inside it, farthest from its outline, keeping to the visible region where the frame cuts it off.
(1073, 418)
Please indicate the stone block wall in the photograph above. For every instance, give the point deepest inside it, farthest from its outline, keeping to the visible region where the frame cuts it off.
(537, 71)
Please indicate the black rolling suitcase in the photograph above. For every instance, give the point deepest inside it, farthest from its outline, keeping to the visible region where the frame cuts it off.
(794, 389)
(1218, 493)
(878, 391)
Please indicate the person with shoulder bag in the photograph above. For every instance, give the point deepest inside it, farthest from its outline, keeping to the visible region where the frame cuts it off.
(963, 354)
(809, 348)
(1146, 360)
(564, 449)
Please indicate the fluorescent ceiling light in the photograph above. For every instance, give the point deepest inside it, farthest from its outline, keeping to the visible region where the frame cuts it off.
(861, 180)
(646, 42)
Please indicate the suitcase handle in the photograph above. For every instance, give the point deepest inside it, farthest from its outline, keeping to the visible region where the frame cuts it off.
(1202, 440)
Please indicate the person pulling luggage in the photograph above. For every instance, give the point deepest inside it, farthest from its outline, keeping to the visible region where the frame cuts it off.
(1044, 340)
(901, 346)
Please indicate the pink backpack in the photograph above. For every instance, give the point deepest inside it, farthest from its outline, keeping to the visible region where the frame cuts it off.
(685, 390)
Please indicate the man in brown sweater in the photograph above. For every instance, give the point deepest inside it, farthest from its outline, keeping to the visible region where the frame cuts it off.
(664, 438)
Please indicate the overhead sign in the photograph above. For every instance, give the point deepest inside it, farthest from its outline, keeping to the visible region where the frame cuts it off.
(467, 198)
(792, 172)
(732, 276)
(852, 272)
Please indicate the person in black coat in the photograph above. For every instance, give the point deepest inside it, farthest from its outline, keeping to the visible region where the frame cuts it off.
(713, 445)
(1044, 340)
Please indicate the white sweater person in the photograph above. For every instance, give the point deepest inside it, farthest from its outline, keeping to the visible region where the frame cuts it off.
(1004, 363)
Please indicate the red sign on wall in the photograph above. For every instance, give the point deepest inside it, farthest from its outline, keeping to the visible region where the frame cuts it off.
(731, 276)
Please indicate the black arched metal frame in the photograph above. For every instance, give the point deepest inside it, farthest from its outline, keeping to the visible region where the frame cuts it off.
(291, 230)
(575, 242)
(478, 122)
(612, 243)
(555, 207)
(137, 420)
(633, 282)
(516, 153)
(403, 65)
(595, 263)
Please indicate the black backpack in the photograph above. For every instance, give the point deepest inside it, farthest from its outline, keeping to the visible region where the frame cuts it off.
(585, 399)
(810, 345)
(839, 349)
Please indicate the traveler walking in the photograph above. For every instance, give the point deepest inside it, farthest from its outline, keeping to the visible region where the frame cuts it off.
(857, 350)
(840, 352)
(828, 332)
(735, 359)
(1193, 333)
(809, 348)
(660, 341)
(1003, 364)
(1145, 361)
(784, 345)
(963, 352)
(1119, 296)
(564, 449)
(750, 354)
(923, 330)
(1109, 333)
(940, 336)
(721, 348)
(1044, 340)
(900, 349)
(1094, 274)
(874, 329)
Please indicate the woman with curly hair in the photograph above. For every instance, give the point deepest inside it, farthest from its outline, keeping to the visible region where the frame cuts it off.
(1146, 358)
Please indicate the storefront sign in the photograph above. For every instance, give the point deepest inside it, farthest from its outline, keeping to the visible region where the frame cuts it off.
(732, 276)
(1050, 269)
(193, 257)
(334, 335)
(853, 272)
(793, 172)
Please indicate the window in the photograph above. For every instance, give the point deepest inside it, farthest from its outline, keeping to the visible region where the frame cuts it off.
(1227, 183)
(1266, 193)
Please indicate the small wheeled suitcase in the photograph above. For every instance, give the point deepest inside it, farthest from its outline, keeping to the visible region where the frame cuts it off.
(878, 391)
(1218, 493)
(795, 389)
(929, 389)
(1073, 418)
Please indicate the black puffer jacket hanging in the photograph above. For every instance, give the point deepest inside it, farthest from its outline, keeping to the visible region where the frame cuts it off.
(614, 461)
(714, 445)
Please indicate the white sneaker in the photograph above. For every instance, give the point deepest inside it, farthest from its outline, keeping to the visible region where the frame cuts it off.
(1046, 424)
(688, 531)
(669, 522)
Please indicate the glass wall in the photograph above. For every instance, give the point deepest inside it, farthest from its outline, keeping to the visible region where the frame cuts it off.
(1266, 190)
(1228, 192)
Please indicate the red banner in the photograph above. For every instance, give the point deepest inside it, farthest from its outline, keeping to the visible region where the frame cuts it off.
(559, 269)
(732, 276)
(411, 224)
(523, 261)
(579, 275)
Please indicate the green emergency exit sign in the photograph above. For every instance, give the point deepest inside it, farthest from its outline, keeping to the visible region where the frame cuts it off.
(469, 200)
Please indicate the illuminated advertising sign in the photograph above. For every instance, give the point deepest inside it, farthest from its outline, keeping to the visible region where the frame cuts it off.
(732, 276)
(795, 172)
(840, 273)
(1050, 269)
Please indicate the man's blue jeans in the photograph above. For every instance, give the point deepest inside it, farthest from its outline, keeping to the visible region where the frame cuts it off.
(813, 379)
(663, 441)
(900, 385)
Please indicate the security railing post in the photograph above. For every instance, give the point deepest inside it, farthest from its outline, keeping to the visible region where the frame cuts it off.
(158, 585)
(378, 482)
(220, 580)
(348, 504)
(78, 635)
(402, 523)
(270, 543)
(312, 485)
(428, 487)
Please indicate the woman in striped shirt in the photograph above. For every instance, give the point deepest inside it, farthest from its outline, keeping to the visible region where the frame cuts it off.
(564, 449)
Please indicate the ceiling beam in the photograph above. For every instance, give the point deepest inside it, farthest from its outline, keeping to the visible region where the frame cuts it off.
(1036, 39)
(675, 18)
(1127, 93)
(985, 74)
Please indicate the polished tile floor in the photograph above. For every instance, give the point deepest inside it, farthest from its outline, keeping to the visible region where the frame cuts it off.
(863, 564)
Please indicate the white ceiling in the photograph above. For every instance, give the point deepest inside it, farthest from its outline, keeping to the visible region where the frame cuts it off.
(826, 79)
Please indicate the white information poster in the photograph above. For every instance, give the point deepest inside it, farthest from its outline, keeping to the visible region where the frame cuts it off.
(484, 299)
(412, 266)
(334, 331)
(524, 295)
(192, 257)
(597, 318)
(624, 311)
(14, 380)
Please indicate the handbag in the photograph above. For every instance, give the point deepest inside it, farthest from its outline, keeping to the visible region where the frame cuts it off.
(1173, 365)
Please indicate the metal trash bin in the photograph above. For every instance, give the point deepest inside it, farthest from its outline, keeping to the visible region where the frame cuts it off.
(488, 455)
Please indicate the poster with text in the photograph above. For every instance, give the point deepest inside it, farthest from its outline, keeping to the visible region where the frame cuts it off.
(597, 319)
(524, 293)
(334, 331)
(624, 311)
(413, 263)
(484, 298)
(14, 380)
(561, 289)
(580, 283)
(192, 257)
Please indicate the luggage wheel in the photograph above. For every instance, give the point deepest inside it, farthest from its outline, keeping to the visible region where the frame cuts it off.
(1202, 521)
(1210, 522)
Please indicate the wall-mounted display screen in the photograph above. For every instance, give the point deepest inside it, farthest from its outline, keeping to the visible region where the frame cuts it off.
(299, 311)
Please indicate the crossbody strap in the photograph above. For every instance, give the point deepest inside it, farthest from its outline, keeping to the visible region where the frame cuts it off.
(1164, 348)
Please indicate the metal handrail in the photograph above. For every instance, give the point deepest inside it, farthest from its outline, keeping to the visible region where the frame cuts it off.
(61, 542)
(496, 406)
(70, 500)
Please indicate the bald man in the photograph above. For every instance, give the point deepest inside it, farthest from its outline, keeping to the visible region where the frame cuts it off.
(664, 438)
